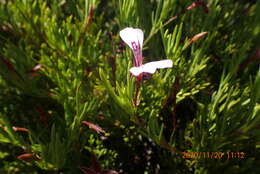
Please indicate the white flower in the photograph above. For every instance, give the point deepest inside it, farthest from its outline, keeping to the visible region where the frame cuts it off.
(134, 37)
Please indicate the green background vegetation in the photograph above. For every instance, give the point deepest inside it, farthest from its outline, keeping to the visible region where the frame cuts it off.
(63, 66)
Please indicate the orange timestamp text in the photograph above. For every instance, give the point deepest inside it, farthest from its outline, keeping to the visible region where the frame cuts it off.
(213, 155)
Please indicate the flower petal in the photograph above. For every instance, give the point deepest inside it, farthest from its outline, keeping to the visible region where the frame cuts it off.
(167, 63)
(132, 35)
(136, 70)
(151, 67)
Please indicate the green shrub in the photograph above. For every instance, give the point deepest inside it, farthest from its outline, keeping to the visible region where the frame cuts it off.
(69, 104)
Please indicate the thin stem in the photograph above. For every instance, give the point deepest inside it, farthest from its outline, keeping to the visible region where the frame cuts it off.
(137, 86)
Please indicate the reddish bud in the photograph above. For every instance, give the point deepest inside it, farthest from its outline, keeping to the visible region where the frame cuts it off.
(198, 3)
(198, 36)
(20, 129)
(93, 127)
(37, 67)
(193, 5)
(27, 157)
(33, 71)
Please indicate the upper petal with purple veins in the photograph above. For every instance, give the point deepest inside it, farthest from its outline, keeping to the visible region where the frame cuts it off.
(133, 37)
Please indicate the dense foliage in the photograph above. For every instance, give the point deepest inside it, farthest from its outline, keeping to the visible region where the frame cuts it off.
(68, 103)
